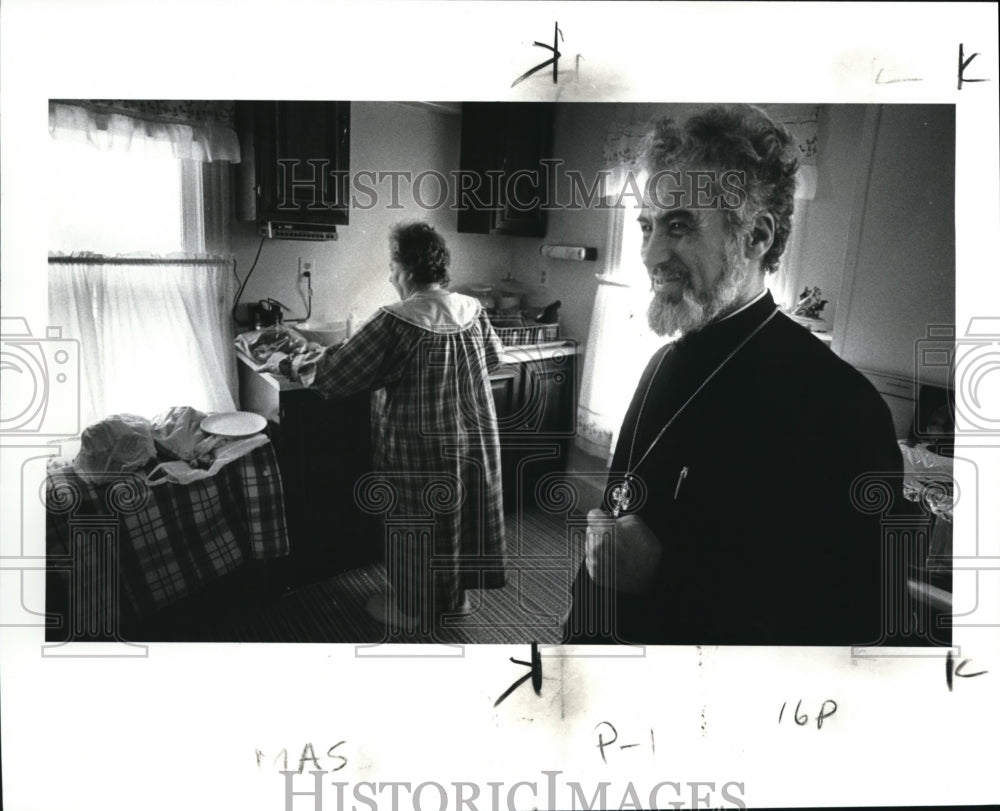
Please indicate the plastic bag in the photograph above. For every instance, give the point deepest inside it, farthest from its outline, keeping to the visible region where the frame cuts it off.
(928, 478)
(917, 459)
(177, 433)
(119, 444)
(260, 344)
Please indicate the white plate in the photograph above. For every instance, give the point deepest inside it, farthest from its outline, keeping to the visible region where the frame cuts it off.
(233, 423)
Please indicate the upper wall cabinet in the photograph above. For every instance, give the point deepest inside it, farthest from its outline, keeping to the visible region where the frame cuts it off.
(503, 145)
(296, 161)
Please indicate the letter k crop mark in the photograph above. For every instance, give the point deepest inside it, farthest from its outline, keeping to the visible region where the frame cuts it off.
(554, 61)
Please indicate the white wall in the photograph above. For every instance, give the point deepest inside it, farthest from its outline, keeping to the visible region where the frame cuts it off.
(824, 226)
(903, 278)
(905, 251)
(902, 223)
(351, 273)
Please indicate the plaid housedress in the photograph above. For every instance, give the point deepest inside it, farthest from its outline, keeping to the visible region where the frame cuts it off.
(436, 449)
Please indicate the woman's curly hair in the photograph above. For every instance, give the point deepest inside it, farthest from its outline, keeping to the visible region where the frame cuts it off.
(422, 251)
(743, 139)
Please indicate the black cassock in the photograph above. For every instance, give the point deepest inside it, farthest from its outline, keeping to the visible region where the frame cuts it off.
(769, 536)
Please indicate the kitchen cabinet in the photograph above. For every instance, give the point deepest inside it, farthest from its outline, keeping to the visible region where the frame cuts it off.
(295, 161)
(535, 398)
(503, 146)
(321, 454)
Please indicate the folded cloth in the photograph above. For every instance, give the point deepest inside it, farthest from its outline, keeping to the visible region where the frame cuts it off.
(273, 363)
(181, 472)
(302, 368)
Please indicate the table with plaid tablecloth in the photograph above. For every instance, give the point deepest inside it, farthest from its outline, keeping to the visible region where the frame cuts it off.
(129, 550)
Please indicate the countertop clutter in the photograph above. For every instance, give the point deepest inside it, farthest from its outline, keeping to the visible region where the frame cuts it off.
(512, 354)
(523, 342)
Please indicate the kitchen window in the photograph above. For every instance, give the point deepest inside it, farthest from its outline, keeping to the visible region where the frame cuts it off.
(136, 226)
(620, 341)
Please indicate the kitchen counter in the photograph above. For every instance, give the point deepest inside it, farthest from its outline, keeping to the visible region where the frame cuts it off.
(322, 454)
(533, 352)
(274, 381)
(512, 354)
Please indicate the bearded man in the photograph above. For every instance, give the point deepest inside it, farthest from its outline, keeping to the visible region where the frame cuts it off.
(729, 516)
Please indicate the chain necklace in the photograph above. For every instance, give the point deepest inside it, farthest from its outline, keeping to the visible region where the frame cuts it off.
(621, 495)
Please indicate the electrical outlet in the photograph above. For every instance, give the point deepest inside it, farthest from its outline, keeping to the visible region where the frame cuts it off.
(543, 278)
(305, 268)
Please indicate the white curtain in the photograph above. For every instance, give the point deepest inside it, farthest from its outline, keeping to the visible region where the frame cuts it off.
(619, 345)
(151, 336)
(199, 141)
(802, 122)
(154, 331)
(620, 342)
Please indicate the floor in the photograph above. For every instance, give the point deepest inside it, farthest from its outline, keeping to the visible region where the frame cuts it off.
(544, 552)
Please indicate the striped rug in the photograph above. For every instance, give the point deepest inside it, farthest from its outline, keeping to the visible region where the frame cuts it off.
(544, 553)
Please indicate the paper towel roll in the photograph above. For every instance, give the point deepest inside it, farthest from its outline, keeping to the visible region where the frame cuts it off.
(568, 252)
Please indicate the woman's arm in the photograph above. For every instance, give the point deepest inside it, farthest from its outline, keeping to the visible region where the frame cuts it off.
(494, 349)
(373, 357)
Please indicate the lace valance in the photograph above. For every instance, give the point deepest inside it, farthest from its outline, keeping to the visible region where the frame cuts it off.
(158, 128)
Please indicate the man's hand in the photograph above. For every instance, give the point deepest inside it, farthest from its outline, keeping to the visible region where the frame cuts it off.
(626, 562)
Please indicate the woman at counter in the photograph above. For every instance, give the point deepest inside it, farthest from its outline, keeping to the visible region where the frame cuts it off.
(427, 359)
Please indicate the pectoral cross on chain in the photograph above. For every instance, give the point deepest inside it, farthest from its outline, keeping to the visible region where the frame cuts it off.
(621, 498)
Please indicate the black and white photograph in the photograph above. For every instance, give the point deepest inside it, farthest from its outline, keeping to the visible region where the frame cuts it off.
(505, 302)
(638, 432)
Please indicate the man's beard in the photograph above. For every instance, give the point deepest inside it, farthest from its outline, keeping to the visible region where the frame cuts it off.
(694, 311)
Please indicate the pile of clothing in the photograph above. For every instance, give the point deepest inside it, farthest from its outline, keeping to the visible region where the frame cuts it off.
(928, 478)
(264, 347)
(171, 447)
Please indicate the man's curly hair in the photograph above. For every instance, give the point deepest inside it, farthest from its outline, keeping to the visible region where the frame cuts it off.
(422, 251)
(743, 139)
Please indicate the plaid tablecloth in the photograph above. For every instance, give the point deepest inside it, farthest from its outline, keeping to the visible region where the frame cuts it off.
(160, 543)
